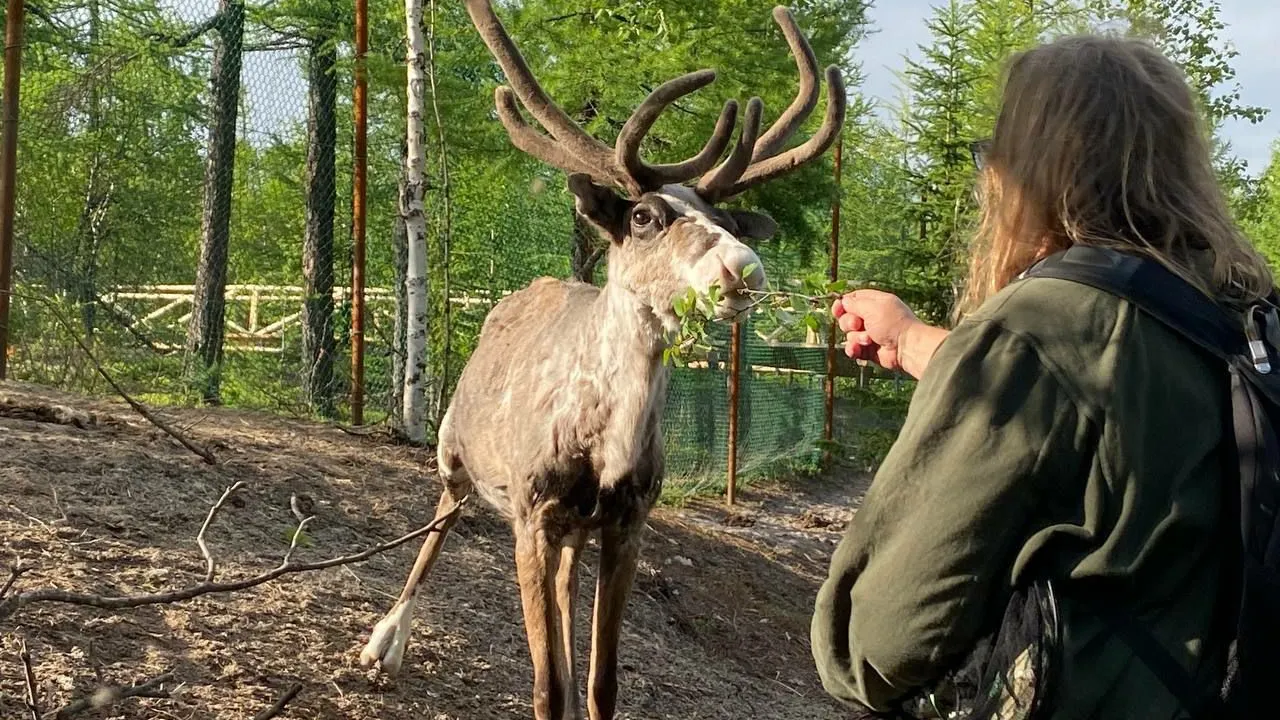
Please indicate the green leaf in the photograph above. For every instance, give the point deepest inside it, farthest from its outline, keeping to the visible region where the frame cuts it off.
(811, 321)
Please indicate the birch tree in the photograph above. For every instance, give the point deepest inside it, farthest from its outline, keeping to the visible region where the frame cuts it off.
(412, 209)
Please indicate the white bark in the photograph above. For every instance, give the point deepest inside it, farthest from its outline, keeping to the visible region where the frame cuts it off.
(412, 209)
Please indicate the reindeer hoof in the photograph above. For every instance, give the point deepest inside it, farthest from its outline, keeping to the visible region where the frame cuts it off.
(388, 640)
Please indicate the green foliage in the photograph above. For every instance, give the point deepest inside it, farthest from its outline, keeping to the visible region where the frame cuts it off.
(1262, 220)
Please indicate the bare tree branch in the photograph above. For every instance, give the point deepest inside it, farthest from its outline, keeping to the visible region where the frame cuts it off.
(293, 541)
(28, 674)
(210, 565)
(15, 572)
(107, 696)
(192, 33)
(589, 265)
(137, 406)
(12, 604)
(278, 706)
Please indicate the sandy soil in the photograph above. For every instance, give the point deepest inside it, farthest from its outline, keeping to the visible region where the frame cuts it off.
(94, 499)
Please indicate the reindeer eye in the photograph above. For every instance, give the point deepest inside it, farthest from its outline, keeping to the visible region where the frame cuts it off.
(642, 217)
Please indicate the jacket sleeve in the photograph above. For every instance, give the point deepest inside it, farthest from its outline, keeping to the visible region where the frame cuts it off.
(928, 557)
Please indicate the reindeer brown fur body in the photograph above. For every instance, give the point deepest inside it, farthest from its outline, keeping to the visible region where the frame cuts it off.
(556, 418)
(561, 402)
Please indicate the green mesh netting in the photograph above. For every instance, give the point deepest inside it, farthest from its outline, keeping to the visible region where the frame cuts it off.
(780, 409)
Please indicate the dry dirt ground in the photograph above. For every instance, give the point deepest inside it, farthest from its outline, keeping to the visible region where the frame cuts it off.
(94, 499)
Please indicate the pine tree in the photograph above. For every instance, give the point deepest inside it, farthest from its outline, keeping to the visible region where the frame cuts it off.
(941, 121)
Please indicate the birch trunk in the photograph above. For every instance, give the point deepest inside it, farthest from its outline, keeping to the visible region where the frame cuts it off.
(399, 245)
(413, 211)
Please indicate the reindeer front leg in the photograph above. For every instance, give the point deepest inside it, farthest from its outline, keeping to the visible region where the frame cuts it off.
(566, 600)
(538, 558)
(619, 554)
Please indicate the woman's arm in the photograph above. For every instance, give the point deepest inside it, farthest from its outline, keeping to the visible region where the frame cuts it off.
(930, 555)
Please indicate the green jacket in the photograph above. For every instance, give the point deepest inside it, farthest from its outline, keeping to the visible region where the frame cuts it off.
(1057, 431)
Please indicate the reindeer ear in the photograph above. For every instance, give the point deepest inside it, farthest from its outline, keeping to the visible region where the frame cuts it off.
(601, 205)
(753, 225)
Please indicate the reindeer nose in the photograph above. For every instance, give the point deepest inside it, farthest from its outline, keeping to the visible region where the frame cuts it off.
(740, 268)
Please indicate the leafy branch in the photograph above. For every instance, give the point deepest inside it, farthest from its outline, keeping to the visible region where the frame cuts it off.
(807, 306)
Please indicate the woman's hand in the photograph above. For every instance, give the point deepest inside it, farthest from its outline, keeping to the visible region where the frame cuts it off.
(879, 327)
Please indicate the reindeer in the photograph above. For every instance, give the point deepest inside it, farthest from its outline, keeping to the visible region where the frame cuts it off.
(555, 421)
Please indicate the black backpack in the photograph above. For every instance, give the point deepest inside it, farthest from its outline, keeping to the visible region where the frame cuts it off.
(1248, 343)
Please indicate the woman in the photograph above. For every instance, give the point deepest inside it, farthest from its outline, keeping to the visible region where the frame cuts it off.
(1057, 434)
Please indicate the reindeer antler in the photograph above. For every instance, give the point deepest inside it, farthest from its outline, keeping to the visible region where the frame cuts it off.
(755, 161)
(568, 146)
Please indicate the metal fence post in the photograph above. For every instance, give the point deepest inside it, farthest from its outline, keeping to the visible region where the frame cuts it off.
(358, 218)
(735, 368)
(13, 21)
(828, 425)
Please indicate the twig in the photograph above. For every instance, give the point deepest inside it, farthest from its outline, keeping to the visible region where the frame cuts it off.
(360, 430)
(293, 542)
(137, 406)
(33, 702)
(12, 604)
(278, 706)
(209, 564)
(15, 572)
(107, 696)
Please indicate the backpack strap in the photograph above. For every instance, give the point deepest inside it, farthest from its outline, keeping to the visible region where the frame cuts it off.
(1154, 289)
(1184, 309)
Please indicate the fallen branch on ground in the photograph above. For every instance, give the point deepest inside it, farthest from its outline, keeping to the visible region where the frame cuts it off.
(15, 572)
(278, 706)
(137, 406)
(108, 696)
(13, 603)
(29, 675)
(210, 564)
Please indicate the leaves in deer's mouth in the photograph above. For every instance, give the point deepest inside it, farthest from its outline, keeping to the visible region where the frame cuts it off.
(808, 308)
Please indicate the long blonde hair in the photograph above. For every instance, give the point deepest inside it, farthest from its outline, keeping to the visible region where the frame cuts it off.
(1099, 142)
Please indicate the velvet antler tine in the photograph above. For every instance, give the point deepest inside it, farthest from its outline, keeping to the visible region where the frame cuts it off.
(723, 177)
(530, 141)
(706, 158)
(526, 87)
(821, 141)
(627, 147)
(775, 138)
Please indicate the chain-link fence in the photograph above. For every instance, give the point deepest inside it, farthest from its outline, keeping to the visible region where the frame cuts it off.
(184, 205)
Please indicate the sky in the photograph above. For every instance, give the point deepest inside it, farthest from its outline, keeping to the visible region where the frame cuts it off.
(1251, 25)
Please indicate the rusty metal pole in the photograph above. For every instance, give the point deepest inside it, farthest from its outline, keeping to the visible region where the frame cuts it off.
(13, 21)
(359, 184)
(828, 425)
(735, 367)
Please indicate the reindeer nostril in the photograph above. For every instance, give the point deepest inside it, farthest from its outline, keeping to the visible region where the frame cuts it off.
(731, 279)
